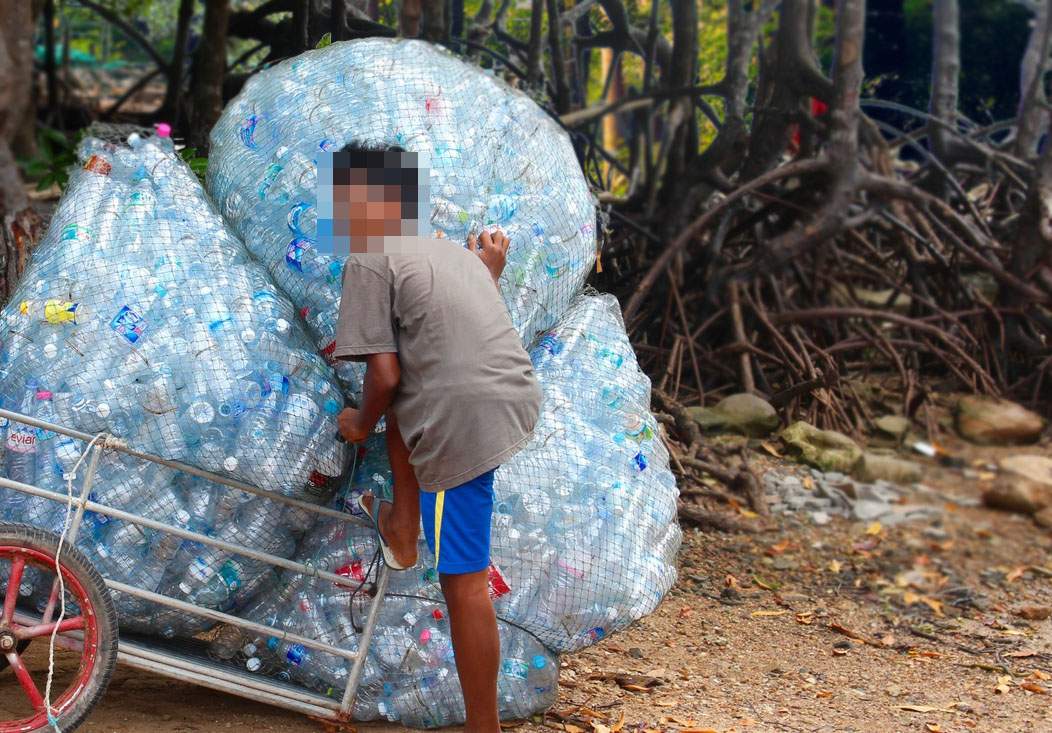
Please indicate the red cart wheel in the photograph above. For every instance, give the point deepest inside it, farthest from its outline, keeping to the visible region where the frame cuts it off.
(85, 651)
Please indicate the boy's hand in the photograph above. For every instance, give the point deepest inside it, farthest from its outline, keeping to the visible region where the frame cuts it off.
(350, 427)
(492, 249)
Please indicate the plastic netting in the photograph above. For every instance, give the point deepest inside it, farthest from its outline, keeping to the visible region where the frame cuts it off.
(496, 159)
(142, 316)
(145, 317)
(584, 541)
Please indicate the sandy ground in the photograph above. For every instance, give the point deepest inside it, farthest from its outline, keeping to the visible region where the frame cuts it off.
(849, 627)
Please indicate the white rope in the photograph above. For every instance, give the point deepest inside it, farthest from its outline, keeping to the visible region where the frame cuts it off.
(70, 477)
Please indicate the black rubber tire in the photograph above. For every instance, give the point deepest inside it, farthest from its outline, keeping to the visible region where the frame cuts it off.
(102, 603)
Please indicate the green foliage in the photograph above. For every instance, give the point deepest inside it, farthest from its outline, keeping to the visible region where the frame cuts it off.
(56, 153)
(324, 41)
(198, 163)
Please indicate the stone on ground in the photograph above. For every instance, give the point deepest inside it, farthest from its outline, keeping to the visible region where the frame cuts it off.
(827, 450)
(1025, 485)
(742, 413)
(894, 425)
(877, 466)
(993, 421)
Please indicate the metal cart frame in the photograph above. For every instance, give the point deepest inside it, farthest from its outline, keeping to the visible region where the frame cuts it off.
(198, 670)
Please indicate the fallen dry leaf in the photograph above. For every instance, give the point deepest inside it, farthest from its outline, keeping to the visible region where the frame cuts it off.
(771, 448)
(824, 693)
(835, 566)
(933, 727)
(1003, 684)
(1016, 573)
(1033, 687)
(1037, 674)
(766, 614)
(874, 528)
(778, 549)
(805, 617)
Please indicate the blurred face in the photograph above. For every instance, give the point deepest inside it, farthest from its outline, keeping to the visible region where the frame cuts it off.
(364, 212)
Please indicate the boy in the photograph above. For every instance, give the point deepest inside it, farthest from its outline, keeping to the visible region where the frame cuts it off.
(446, 367)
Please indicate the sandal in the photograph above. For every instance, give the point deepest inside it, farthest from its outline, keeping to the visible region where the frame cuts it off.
(385, 549)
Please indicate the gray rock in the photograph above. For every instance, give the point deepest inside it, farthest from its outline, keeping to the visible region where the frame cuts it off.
(877, 467)
(742, 413)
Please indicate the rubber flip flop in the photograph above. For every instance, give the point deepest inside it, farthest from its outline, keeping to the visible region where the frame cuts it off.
(385, 549)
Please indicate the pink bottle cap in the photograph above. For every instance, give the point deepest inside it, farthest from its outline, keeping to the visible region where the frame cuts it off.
(163, 129)
(43, 395)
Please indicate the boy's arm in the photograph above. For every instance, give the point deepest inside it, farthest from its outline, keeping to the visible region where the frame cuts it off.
(382, 375)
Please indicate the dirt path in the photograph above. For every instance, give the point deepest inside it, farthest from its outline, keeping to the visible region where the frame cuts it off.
(846, 627)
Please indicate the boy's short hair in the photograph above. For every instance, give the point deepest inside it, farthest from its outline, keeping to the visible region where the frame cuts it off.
(384, 165)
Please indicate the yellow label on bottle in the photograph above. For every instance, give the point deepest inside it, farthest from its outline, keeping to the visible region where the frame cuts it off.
(60, 311)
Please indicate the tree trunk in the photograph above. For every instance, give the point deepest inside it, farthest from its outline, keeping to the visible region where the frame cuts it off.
(209, 69)
(789, 78)
(51, 73)
(1032, 253)
(20, 120)
(434, 26)
(1033, 116)
(533, 54)
(945, 74)
(20, 226)
(409, 19)
(301, 24)
(173, 96)
(555, 48)
(339, 20)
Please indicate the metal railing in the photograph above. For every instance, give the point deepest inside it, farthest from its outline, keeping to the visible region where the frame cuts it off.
(216, 676)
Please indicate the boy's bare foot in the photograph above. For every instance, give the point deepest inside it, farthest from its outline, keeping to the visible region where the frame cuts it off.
(401, 536)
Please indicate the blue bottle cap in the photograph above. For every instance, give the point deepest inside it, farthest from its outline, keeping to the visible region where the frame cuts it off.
(332, 406)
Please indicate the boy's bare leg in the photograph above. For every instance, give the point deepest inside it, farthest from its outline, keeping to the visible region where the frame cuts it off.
(400, 520)
(476, 643)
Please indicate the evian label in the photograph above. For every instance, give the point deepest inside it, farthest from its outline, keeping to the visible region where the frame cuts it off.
(498, 586)
(22, 441)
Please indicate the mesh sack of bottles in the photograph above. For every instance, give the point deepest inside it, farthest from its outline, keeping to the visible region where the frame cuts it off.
(495, 159)
(584, 540)
(142, 316)
(584, 530)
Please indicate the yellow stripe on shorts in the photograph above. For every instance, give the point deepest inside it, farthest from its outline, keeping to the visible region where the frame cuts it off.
(440, 501)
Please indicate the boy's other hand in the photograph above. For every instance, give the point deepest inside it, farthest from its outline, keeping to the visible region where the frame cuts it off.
(350, 427)
(492, 249)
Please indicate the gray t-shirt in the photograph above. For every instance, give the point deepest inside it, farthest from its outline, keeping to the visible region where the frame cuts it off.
(468, 399)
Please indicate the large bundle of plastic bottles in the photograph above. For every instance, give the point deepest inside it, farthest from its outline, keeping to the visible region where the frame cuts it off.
(584, 541)
(584, 529)
(495, 159)
(142, 316)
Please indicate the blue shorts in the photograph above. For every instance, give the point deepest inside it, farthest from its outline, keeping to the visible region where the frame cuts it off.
(457, 525)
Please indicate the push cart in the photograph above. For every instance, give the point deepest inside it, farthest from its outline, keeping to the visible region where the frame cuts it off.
(90, 626)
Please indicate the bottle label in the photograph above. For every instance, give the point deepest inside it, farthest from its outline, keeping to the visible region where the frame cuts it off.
(128, 324)
(498, 586)
(200, 570)
(97, 164)
(22, 440)
(352, 570)
(296, 654)
(231, 575)
(515, 668)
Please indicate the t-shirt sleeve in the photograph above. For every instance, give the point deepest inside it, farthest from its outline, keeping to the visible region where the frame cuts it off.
(366, 321)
